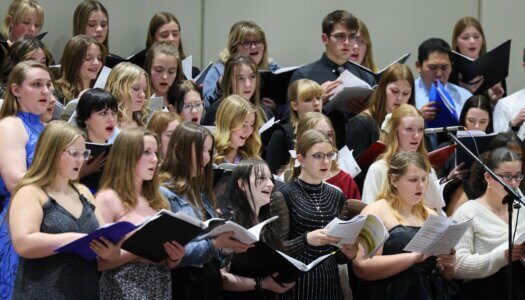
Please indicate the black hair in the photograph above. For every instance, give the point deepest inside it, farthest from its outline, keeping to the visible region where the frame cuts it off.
(478, 101)
(492, 159)
(339, 17)
(178, 91)
(94, 100)
(430, 46)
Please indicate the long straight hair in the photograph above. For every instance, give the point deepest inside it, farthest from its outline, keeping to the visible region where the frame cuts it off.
(81, 18)
(184, 155)
(119, 172)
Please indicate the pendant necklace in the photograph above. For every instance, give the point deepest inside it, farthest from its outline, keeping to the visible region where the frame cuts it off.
(313, 199)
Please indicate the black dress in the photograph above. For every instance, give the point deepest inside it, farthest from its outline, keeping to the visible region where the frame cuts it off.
(420, 281)
(60, 276)
(302, 208)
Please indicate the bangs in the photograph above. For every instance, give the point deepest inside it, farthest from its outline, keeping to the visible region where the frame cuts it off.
(308, 91)
(26, 10)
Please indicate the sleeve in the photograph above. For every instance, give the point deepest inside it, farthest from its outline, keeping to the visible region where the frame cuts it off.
(472, 265)
(373, 183)
(298, 74)
(279, 207)
(209, 89)
(501, 117)
(359, 134)
(353, 192)
(276, 151)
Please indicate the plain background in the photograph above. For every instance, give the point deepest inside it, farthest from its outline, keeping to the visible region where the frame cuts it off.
(293, 27)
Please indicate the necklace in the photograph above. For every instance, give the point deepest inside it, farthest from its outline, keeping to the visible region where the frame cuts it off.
(312, 198)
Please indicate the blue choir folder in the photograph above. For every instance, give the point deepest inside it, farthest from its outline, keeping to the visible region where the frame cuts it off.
(113, 232)
(447, 114)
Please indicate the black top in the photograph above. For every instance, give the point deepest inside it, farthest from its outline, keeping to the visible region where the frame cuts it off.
(276, 151)
(324, 70)
(64, 275)
(420, 281)
(302, 208)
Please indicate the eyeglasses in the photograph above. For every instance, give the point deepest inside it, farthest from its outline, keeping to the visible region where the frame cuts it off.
(76, 154)
(508, 177)
(248, 44)
(190, 106)
(322, 156)
(341, 37)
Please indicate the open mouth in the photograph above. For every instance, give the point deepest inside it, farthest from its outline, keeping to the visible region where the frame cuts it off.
(76, 169)
(266, 192)
(195, 120)
(419, 194)
(152, 169)
(110, 128)
(354, 57)
(163, 84)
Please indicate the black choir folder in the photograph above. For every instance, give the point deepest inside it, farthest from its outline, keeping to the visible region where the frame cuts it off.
(263, 260)
(377, 75)
(165, 226)
(493, 66)
(476, 141)
(274, 85)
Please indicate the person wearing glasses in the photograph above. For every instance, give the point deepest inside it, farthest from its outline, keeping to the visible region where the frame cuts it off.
(305, 205)
(482, 253)
(185, 99)
(26, 99)
(339, 35)
(49, 210)
(240, 78)
(244, 37)
(361, 52)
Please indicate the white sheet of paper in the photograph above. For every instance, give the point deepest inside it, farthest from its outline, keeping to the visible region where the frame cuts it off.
(347, 162)
(102, 78)
(267, 125)
(187, 64)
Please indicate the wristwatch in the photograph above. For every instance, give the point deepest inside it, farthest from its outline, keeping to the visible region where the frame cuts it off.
(514, 128)
(258, 284)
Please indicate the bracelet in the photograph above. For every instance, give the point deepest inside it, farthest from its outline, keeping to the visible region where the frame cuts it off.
(514, 128)
(258, 284)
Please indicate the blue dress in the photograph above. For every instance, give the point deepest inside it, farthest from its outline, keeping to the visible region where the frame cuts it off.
(8, 256)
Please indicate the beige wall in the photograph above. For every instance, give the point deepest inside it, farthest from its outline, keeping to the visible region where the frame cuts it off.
(293, 27)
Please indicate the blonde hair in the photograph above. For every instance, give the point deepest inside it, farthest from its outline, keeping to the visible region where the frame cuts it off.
(238, 32)
(310, 121)
(461, 25)
(230, 116)
(55, 137)
(301, 90)
(119, 83)
(186, 144)
(81, 18)
(404, 110)
(398, 167)
(70, 84)
(17, 77)
(395, 72)
(18, 10)
(368, 59)
(119, 172)
(304, 143)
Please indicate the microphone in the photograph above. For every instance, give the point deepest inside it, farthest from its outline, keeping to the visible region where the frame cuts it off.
(443, 129)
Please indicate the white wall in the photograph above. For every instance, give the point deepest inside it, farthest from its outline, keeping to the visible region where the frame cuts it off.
(293, 27)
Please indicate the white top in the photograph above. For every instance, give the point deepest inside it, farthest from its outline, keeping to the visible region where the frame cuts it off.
(375, 179)
(476, 253)
(506, 109)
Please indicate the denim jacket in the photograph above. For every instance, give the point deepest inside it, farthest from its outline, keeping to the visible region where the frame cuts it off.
(197, 252)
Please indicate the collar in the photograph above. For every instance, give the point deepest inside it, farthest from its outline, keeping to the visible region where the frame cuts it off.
(332, 65)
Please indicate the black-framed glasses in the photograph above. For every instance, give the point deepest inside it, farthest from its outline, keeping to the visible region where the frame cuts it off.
(248, 43)
(76, 154)
(510, 177)
(190, 106)
(343, 37)
(319, 156)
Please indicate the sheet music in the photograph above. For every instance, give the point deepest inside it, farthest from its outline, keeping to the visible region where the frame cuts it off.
(347, 162)
(438, 236)
(302, 266)
(434, 193)
(267, 125)
(187, 64)
(349, 80)
(102, 78)
(346, 231)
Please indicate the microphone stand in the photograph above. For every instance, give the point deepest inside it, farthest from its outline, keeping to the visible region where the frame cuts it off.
(512, 199)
